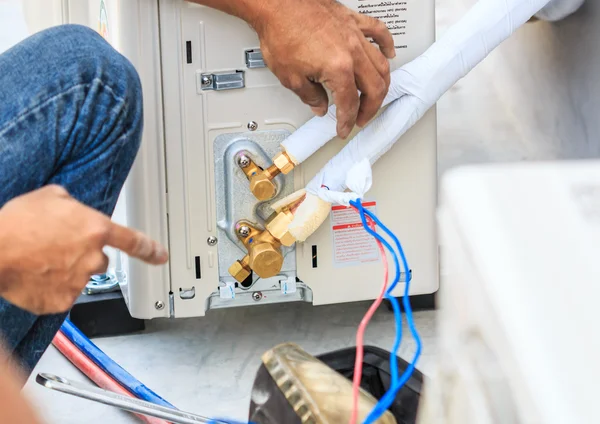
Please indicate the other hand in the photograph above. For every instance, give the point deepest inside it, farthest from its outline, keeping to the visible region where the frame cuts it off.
(50, 245)
(312, 44)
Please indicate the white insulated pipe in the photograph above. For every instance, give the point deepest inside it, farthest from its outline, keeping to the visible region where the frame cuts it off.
(423, 81)
(313, 135)
(559, 9)
(309, 138)
(414, 88)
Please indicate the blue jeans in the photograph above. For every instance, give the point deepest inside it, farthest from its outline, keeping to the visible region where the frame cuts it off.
(70, 114)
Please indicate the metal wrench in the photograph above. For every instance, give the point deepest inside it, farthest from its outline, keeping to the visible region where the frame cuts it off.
(123, 402)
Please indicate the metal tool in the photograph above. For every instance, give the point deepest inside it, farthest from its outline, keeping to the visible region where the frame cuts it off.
(123, 402)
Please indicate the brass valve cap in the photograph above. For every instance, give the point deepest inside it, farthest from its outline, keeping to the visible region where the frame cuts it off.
(265, 260)
(262, 187)
(239, 271)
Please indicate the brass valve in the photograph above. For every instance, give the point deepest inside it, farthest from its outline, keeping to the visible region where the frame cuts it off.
(264, 255)
(261, 180)
(261, 183)
(264, 247)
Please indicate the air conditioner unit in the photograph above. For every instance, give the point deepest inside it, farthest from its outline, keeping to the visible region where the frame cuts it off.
(209, 99)
(518, 339)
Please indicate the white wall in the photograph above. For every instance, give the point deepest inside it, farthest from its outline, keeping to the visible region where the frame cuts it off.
(13, 27)
(536, 97)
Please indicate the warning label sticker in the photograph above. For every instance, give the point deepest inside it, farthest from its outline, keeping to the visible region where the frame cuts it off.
(393, 13)
(352, 245)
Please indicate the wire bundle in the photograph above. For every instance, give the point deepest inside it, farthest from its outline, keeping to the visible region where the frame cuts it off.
(397, 382)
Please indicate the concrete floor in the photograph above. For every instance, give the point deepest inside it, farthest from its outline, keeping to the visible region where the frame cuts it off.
(208, 365)
(534, 98)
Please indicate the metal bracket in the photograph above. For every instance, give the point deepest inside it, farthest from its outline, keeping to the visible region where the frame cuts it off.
(220, 81)
(102, 283)
(171, 305)
(254, 59)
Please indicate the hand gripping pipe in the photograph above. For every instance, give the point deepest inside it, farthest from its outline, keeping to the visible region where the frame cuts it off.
(414, 89)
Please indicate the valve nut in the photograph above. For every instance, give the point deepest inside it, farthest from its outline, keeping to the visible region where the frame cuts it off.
(283, 162)
(239, 271)
(278, 225)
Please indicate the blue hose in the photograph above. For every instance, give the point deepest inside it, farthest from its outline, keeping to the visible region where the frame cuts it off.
(110, 367)
(115, 371)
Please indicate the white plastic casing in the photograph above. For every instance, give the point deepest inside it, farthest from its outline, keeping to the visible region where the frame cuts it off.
(405, 179)
(518, 301)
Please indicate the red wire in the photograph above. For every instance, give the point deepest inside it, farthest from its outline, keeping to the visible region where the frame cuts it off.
(360, 333)
(94, 372)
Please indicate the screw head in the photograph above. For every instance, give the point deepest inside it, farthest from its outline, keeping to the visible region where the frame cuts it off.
(159, 305)
(257, 296)
(252, 126)
(212, 240)
(243, 161)
(244, 231)
(206, 80)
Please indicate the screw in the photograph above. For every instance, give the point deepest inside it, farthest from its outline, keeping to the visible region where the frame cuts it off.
(257, 296)
(243, 161)
(244, 231)
(252, 126)
(159, 305)
(212, 240)
(206, 80)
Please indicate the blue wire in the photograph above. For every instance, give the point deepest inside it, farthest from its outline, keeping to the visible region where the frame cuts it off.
(110, 367)
(390, 395)
(387, 399)
(397, 315)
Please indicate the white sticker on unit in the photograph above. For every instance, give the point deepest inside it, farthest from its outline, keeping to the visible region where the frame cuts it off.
(227, 291)
(288, 286)
(352, 245)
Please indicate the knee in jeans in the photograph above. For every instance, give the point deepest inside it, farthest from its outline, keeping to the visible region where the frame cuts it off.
(87, 56)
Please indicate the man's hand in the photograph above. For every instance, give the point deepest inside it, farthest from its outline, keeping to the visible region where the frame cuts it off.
(311, 44)
(50, 245)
